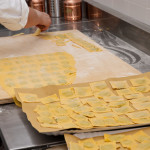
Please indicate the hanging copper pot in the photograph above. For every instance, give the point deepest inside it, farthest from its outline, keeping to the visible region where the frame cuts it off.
(72, 10)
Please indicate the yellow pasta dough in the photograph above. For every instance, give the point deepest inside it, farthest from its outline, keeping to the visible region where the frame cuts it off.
(63, 119)
(141, 120)
(97, 122)
(119, 84)
(113, 98)
(105, 115)
(48, 125)
(140, 81)
(128, 142)
(141, 100)
(144, 146)
(139, 114)
(118, 104)
(49, 99)
(123, 109)
(113, 138)
(77, 116)
(133, 96)
(123, 120)
(89, 99)
(75, 146)
(104, 93)
(108, 146)
(29, 98)
(81, 109)
(37, 32)
(67, 93)
(43, 119)
(74, 102)
(143, 89)
(124, 91)
(98, 86)
(83, 124)
(83, 91)
(37, 71)
(141, 136)
(110, 122)
(100, 109)
(88, 144)
(142, 106)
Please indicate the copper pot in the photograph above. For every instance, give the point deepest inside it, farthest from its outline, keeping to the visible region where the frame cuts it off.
(94, 12)
(72, 10)
(38, 4)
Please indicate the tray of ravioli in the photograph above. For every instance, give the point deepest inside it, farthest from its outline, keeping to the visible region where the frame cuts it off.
(102, 105)
(132, 140)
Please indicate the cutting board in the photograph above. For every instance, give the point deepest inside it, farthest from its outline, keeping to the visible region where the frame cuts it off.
(91, 66)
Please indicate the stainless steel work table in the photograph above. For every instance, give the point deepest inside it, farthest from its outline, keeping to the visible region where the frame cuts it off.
(16, 131)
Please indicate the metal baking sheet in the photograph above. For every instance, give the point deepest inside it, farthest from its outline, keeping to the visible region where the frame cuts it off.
(17, 133)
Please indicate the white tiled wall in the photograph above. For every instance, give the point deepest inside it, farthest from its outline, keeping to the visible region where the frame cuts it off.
(137, 9)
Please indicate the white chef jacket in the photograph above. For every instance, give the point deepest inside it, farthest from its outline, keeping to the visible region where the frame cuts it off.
(13, 14)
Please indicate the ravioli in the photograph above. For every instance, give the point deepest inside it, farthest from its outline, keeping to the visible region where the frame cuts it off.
(81, 109)
(110, 122)
(133, 96)
(88, 144)
(108, 146)
(122, 110)
(141, 100)
(105, 115)
(139, 114)
(124, 91)
(75, 146)
(63, 119)
(83, 124)
(140, 81)
(29, 98)
(128, 142)
(83, 91)
(45, 119)
(113, 98)
(141, 106)
(104, 93)
(113, 138)
(143, 89)
(119, 84)
(48, 125)
(77, 116)
(67, 93)
(37, 71)
(141, 120)
(141, 136)
(118, 104)
(98, 86)
(100, 109)
(49, 99)
(97, 122)
(123, 120)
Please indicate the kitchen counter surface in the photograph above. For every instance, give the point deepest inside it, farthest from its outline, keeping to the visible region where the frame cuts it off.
(16, 132)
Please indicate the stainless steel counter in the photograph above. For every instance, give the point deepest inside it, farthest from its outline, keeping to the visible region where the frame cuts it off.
(16, 131)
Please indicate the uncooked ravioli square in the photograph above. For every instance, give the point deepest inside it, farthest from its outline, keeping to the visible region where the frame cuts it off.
(83, 91)
(119, 84)
(140, 81)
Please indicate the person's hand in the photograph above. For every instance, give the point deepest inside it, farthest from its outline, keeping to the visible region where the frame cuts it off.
(39, 19)
(44, 21)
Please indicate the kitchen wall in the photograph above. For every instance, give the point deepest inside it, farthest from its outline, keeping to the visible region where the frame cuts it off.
(137, 9)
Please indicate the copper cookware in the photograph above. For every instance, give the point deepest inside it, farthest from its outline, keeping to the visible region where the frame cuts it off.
(72, 10)
(38, 4)
(93, 12)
